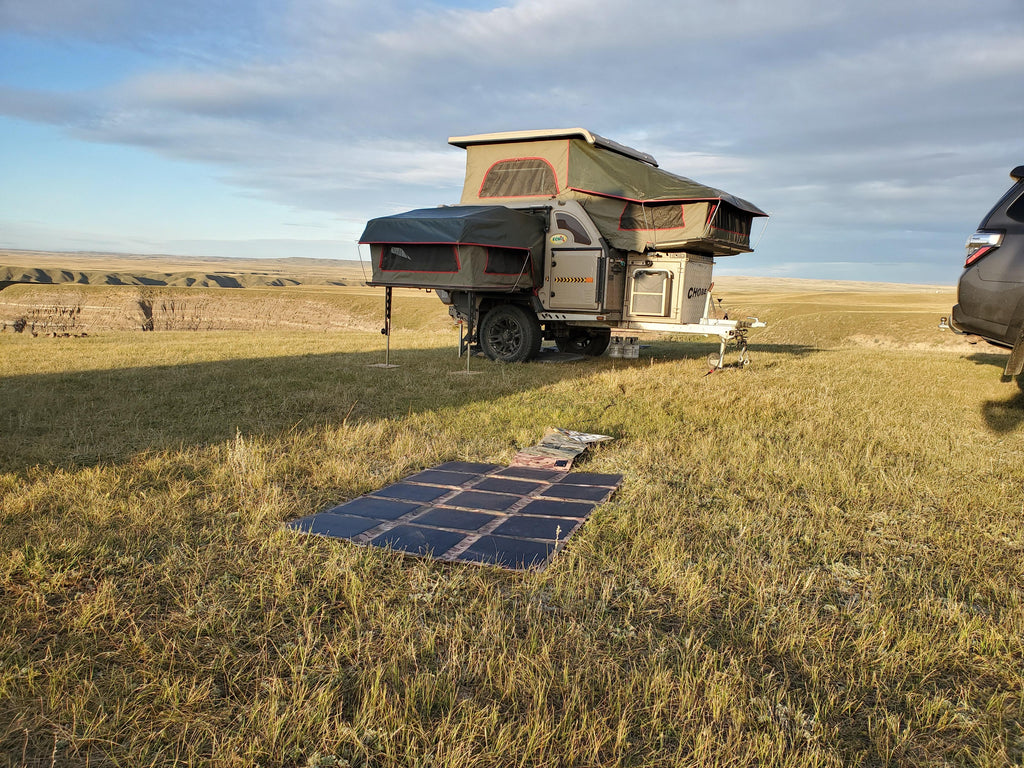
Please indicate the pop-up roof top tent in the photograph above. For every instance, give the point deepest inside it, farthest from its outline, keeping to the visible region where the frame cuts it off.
(636, 205)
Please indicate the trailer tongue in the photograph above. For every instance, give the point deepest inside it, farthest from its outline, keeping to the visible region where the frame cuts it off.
(565, 235)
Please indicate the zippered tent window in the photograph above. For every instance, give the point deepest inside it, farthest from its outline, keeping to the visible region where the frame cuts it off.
(521, 177)
(636, 216)
(729, 224)
(419, 258)
(728, 219)
(507, 261)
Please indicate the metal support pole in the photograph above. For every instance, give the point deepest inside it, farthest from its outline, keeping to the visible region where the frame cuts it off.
(707, 302)
(469, 337)
(386, 331)
(466, 339)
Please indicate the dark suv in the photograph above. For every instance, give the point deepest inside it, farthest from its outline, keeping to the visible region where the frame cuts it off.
(990, 295)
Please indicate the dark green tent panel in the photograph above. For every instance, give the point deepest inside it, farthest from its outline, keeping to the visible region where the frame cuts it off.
(465, 246)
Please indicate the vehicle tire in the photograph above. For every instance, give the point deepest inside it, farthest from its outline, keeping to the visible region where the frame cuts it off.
(591, 342)
(510, 334)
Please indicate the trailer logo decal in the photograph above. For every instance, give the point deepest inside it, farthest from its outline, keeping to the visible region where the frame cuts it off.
(694, 292)
(559, 239)
(574, 279)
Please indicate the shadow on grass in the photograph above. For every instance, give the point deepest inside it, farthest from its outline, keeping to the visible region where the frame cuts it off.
(988, 358)
(1003, 416)
(84, 418)
(688, 350)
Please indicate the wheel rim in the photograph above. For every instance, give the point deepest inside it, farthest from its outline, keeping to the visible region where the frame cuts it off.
(505, 337)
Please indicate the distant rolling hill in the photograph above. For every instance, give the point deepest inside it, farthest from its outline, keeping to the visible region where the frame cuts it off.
(46, 267)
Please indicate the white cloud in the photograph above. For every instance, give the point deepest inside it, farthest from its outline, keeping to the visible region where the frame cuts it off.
(853, 116)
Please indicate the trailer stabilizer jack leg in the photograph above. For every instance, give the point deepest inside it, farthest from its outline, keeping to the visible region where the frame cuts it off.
(717, 362)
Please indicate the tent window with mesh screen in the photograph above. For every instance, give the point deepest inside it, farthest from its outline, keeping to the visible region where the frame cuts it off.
(637, 216)
(419, 258)
(521, 177)
(507, 261)
(729, 225)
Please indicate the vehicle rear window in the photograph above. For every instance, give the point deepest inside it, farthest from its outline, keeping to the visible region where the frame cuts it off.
(1012, 201)
(1016, 209)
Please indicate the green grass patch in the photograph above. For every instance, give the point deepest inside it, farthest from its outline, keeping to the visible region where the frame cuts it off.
(813, 561)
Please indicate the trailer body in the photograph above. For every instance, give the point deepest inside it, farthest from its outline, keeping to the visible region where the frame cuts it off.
(565, 235)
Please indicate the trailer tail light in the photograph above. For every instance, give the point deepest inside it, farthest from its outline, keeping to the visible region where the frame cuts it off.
(981, 243)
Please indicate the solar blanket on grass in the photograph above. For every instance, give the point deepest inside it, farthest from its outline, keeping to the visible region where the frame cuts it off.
(513, 517)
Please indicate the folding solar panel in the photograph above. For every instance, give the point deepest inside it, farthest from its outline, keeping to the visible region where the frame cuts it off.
(510, 517)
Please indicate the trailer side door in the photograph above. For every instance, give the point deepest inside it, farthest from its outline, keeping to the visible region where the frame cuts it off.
(576, 263)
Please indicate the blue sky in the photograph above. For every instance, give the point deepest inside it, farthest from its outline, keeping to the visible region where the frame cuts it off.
(876, 134)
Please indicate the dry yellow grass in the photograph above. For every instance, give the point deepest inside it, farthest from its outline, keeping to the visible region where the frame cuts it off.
(813, 561)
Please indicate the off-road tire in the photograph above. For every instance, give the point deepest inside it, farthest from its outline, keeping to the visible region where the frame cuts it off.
(510, 334)
(591, 341)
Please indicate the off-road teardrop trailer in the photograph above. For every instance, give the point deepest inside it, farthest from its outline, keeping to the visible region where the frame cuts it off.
(566, 235)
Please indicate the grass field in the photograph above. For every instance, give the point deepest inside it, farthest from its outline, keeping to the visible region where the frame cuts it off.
(816, 560)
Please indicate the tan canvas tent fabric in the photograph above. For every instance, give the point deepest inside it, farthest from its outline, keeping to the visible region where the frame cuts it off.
(636, 205)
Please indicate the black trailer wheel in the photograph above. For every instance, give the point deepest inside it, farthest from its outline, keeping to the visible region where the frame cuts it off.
(589, 341)
(510, 334)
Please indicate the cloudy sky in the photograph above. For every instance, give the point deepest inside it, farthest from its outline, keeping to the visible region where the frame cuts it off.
(877, 134)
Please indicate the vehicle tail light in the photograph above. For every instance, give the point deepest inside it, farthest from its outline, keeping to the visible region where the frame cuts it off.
(981, 243)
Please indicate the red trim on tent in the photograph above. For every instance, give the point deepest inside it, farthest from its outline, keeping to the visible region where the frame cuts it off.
(730, 231)
(652, 201)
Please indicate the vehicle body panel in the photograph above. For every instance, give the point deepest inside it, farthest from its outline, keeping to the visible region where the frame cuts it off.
(990, 292)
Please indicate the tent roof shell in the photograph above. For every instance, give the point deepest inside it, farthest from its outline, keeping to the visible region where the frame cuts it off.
(486, 225)
(593, 139)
